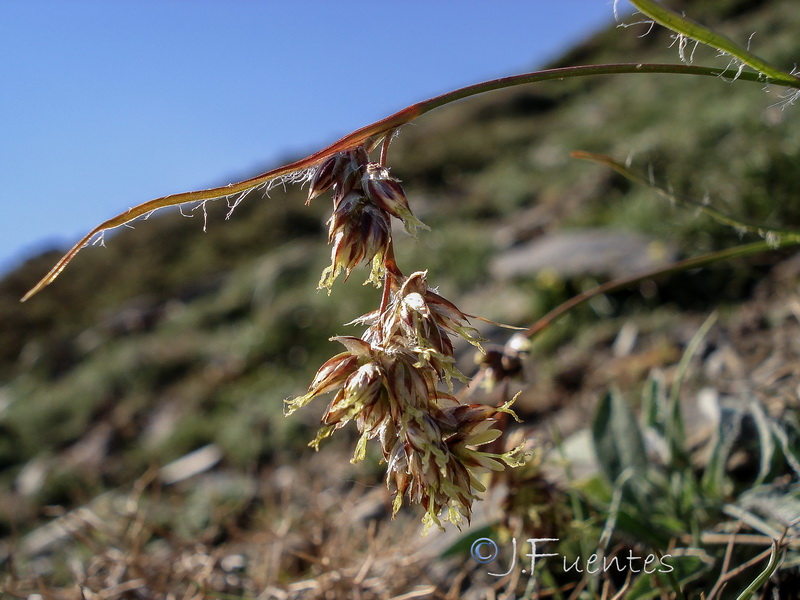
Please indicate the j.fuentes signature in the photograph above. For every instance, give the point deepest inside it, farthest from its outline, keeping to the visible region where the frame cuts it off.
(485, 551)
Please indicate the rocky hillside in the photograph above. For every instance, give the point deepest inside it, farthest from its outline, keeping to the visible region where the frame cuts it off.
(172, 343)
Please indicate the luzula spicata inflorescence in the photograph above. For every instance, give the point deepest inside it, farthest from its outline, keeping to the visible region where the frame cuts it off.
(388, 380)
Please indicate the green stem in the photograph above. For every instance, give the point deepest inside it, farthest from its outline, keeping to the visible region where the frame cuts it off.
(376, 131)
(683, 265)
(778, 78)
(740, 225)
(691, 29)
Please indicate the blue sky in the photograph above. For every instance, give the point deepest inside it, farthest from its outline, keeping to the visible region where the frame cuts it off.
(107, 104)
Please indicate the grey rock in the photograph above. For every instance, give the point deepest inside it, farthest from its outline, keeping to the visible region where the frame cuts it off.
(583, 253)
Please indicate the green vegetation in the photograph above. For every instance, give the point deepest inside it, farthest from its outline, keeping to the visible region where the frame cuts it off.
(654, 430)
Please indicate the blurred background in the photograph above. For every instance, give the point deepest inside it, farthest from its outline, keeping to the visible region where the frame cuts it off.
(143, 447)
(109, 104)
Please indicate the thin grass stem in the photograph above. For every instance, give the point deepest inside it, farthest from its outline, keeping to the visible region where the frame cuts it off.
(376, 132)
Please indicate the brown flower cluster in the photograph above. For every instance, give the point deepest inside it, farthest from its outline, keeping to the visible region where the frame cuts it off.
(388, 381)
(365, 197)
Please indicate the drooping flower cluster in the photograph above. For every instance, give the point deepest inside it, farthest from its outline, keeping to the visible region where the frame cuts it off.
(388, 381)
(365, 197)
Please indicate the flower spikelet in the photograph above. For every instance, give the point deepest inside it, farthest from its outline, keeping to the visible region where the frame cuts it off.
(387, 382)
(387, 193)
(453, 439)
(359, 232)
(365, 197)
